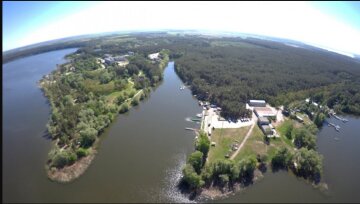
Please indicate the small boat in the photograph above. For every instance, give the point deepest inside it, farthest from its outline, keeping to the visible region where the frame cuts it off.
(199, 115)
(195, 119)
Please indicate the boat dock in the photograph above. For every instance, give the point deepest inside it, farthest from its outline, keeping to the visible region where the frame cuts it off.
(339, 118)
(337, 127)
(192, 129)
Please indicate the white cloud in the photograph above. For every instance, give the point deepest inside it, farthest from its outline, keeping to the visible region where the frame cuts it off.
(294, 20)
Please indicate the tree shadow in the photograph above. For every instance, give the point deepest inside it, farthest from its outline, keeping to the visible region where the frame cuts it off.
(263, 167)
(185, 189)
(45, 134)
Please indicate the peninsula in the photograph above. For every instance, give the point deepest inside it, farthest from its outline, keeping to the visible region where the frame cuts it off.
(86, 94)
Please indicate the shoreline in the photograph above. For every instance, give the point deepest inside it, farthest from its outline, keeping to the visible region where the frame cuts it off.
(214, 192)
(70, 173)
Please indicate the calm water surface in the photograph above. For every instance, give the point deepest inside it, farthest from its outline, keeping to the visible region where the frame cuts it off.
(142, 152)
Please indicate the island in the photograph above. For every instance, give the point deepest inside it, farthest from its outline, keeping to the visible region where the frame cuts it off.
(263, 103)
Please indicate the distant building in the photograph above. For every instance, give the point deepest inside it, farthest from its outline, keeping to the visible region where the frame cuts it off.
(109, 60)
(263, 121)
(122, 63)
(264, 112)
(257, 103)
(154, 56)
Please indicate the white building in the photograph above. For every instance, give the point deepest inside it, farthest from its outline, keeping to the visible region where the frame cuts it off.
(257, 103)
(154, 56)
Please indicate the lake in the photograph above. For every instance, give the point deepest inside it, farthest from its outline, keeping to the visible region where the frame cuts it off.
(142, 152)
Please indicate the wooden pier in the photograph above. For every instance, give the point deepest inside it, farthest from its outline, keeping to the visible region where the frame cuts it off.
(337, 127)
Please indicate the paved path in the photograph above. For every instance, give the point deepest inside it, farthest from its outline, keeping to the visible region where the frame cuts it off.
(246, 137)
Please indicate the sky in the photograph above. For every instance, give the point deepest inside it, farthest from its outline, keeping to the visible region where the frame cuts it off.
(330, 25)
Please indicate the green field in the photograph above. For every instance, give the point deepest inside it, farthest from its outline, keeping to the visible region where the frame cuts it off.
(224, 138)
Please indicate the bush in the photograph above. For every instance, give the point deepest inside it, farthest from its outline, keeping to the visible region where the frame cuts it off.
(124, 108)
(304, 138)
(282, 158)
(319, 119)
(203, 144)
(246, 167)
(120, 99)
(191, 177)
(81, 152)
(60, 160)
(64, 158)
(135, 102)
(309, 163)
(88, 137)
(195, 160)
(224, 179)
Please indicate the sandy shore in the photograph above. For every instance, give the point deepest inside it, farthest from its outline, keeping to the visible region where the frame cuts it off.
(69, 173)
(214, 193)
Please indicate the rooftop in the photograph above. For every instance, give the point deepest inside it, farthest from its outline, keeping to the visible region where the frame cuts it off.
(257, 101)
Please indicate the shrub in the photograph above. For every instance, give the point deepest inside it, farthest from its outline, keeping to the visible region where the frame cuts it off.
(191, 177)
(81, 152)
(195, 160)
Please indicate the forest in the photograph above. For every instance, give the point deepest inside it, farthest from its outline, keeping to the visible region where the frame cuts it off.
(229, 72)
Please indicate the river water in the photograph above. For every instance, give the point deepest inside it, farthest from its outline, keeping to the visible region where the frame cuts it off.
(142, 152)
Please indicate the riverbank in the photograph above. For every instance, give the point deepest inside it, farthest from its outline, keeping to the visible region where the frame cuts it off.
(235, 159)
(85, 102)
(70, 173)
(215, 192)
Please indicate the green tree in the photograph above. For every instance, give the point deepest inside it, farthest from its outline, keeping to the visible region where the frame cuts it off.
(319, 119)
(124, 108)
(81, 152)
(203, 144)
(120, 99)
(247, 166)
(196, 161)
(288, 130)
(224, 179)
(192, 178)
(63, 158)
(282, 158)
(135, 101)
(304, 138)
(88, 137)
(309, 163)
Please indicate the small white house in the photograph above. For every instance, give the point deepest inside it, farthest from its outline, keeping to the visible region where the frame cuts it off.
(154, 56)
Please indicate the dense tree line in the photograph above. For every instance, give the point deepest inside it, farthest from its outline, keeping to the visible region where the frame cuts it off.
(304, 162)
(233, 71)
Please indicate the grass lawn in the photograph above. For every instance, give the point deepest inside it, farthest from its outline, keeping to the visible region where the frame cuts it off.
(224, 138)
(256, 144)
(111, 97)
